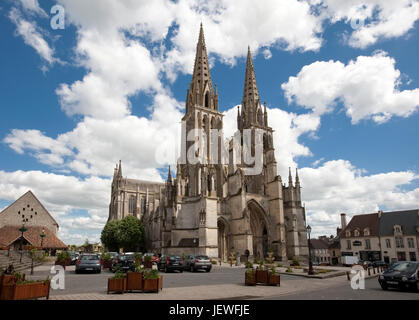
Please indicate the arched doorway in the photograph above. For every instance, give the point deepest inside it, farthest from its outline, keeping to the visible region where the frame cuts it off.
(259, 230)
(223, 239)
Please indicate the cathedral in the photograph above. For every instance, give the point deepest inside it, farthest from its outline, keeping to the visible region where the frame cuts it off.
(217, 207)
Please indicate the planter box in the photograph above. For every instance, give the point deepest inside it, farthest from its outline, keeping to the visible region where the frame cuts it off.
(7, 279)
(117, 285)
(26, 291)
(262, 276)
(153, 285)
(250, 280)
(274, 280)
(135, 281)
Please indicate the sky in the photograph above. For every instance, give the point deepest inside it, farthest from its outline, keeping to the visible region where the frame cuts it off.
(340, 79)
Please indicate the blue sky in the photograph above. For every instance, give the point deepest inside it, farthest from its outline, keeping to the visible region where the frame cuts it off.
(77, 100)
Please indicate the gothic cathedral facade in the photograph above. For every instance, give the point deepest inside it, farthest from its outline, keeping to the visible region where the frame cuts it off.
(215, 208)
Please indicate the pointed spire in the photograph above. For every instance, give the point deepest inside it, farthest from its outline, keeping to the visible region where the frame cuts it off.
(201, 74)
(297, 179)
(169, 176)
(120, 169)
(265, 114)
(290, 178)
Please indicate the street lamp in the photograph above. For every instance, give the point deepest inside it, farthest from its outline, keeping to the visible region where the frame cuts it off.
(310, 263)
(42, 235)
(22, 230)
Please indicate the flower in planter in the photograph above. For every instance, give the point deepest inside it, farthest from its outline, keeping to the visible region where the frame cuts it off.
(151, 274)
(261, 265)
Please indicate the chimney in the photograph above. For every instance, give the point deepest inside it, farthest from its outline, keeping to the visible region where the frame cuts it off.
(343, 220)
(380, 212)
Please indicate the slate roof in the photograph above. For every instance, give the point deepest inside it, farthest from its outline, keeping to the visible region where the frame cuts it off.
(318, 244)
(408, 220)
(9, 234)
(361, 222)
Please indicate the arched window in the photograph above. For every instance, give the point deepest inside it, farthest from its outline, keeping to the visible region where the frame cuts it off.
(207, 100)
(132, 204)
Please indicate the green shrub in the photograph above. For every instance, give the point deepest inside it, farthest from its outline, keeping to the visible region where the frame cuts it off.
(63, 255)
(249, 265)
(151, 274)
(289, 270)
(213, 262)
(273, 270)
(119, 274)
(106, 257)
(295, 262)
(279, 265)
(250, 273)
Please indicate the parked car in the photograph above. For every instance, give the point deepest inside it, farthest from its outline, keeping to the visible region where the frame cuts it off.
(154, 257)
(198, 262)
(402, 275)
(89, 262)
(74, 256)
(124, 261)
(170, 263)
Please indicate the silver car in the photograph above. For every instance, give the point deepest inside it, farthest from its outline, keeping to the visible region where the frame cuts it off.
(89, 262)
(198, 262)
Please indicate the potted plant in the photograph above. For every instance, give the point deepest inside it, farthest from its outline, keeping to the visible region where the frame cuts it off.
(106, 261)
(274, 278)
(250, 277)
(295, 262)
(118, 283)
(261, 273)
(138, 257)
(153, 282)
(135, 279)
(147, 262)
(9, 277)
(23, 290)
(63, 259)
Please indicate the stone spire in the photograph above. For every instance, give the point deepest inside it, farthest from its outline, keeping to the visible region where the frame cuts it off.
(251, 100)
(290, 178)
(120, 169)
(297, 179)
(265, 114)
(169, 176)
(201, 91)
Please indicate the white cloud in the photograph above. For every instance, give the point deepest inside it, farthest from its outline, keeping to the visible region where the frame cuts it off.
(368, 88)
(337, 186)
(32, 6)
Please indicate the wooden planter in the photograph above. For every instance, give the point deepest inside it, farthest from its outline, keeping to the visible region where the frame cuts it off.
(153, 285)
(117, 285)
(135, 281)
(7, 279)
(274, 280)
(262, 276)
(250, 280)
(26, 291)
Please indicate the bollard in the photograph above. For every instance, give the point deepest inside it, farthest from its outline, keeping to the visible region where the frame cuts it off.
(348, 276)
(369, 271)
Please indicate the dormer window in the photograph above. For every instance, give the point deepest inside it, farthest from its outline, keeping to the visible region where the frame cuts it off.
(356, 233)
(348, 233)
(397, 229)
(366, 232)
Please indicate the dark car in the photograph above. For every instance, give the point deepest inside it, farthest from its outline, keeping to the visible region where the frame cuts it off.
(198, 262)
(402, 275)
(170, 263)
(89, 262)
(124, 262)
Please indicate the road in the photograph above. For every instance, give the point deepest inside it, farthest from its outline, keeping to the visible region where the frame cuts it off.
(372, 291)
(304, 290)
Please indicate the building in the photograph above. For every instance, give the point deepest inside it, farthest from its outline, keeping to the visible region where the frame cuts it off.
(28, 210)
(361, 238)
(399, 235)
(319, 251)
(387, 236)
(215, 208)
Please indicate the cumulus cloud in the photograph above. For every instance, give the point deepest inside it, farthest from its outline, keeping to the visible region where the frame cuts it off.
(33, 7)
(372, 19)
(368, 87)
(337, 186)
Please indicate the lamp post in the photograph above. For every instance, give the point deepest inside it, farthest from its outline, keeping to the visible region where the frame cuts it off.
(310, 263)
(22, 230)
(42, 235)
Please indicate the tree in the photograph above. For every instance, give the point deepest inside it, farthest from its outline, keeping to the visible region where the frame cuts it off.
(131, 234)
(127, 233)
(109, 236)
